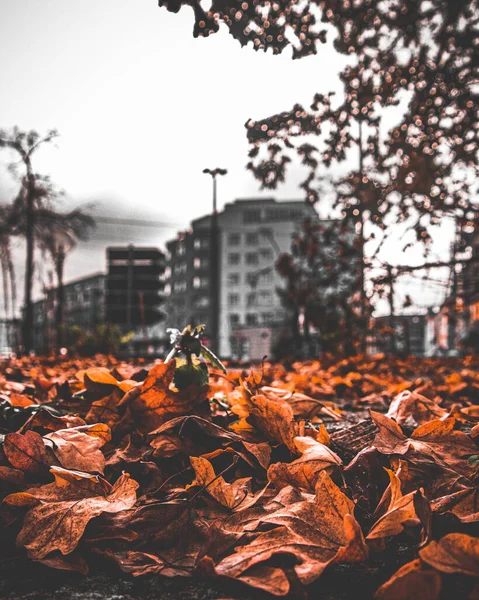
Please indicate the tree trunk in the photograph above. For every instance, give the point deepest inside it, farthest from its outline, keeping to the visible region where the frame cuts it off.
(6, 303)
(30, 258)
(59, 264)
(13, 287)
(364, 324)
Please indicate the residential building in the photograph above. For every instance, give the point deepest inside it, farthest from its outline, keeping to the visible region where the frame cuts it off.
(133, 286)
(252, 234)
(187, 277)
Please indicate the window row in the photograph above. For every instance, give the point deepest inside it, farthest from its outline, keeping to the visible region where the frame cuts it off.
(266, 318)
(181, 267)
(252, 279)
(181, 285)
(251, 258)
(260, 298)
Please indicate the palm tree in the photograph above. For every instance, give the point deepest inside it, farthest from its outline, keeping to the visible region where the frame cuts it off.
(25, 144)
(58, 234)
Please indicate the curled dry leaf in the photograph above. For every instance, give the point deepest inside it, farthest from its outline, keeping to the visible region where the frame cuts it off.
(303, 472)
(411, 407)
(412, 581)
(400, 511)
(167, 562)
(463, 503)
(72, 562)
(311, 530)
(303, 406)
(273, 418)
(157, 403)
(435, 442)
(77, 450)
(63, 509)
(230, 495)
(454, 553)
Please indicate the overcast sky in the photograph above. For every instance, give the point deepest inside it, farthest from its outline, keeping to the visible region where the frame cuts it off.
(142, 108)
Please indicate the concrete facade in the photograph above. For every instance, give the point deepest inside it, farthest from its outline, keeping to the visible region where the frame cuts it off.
(253, 232)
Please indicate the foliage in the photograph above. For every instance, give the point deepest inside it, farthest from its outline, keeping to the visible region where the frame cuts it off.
(323, 283)
(418, 172)
(267, 483)
(105, 338)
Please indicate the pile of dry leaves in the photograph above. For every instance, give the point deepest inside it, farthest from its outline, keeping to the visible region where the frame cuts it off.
(266, 478)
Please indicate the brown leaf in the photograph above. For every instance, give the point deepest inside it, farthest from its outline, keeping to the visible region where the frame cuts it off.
(412, 581)
(435, 444)
(454, 553)
(78, 451)
(400, 511)
(71, 562)
(107, 409)
(20, 400)
(411, 407)
(274, 419)
(311, 530)
(303, 472)
(28, 452)
(157, 403)
(168, 562)
(62, 511)
(230, 495)
(463, 503)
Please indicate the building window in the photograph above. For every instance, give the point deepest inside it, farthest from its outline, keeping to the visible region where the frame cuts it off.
(180, 268)
(252, 216)
(265, 298)
(202, 302)
(234, 319)
(197, 243)
(251, 299)
(251, 319)
(167, 273)
(266, 277)
(196, 282)
(252, 238)
(233, 299)
(251, 258)
(181, 249)
(267, 318)
(233, 278)
(233, 258)
(234, 239)
(266, 254)
(197, 263)
(179, 286)
(167, 289)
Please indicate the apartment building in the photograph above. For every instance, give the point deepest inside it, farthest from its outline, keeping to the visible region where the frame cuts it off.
(253, 232)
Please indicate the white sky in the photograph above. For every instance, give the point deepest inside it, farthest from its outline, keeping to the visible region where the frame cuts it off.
(142, 108)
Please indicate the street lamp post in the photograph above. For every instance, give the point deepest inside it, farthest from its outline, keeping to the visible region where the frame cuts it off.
(214, 263)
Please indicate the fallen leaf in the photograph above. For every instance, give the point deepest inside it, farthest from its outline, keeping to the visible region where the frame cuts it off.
(63, 509)
(454, 553)
(230, 495)
(77, 450)
(27, 452)
(413, 408)
(157, 403)
(413, 581)
(303, 472)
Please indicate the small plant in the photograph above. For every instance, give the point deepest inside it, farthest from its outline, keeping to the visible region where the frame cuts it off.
(191, 370)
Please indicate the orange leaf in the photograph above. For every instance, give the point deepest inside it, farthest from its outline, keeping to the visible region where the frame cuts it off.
(454, 553)
(411, 582)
